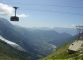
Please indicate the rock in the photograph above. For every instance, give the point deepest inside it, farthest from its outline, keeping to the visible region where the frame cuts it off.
(75, 46)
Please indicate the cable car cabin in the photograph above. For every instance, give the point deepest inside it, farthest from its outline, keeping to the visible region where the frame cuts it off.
(14, 18)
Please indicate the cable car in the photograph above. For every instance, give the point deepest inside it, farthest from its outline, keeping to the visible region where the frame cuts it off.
(14, 18)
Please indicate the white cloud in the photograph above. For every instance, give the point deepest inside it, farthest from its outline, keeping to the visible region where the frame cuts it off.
(22, 15)
(73, 25)
(6, 10)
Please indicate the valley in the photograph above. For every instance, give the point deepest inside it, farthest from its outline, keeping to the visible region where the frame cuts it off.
(41, 29)
(35, 42)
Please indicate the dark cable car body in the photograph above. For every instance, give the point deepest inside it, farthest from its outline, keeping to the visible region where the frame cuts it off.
(14, 18)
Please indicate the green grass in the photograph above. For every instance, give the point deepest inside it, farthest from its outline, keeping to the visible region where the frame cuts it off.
(6, 53)
(62, 53)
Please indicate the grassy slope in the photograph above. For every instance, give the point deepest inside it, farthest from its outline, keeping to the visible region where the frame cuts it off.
(7, 54)
(62, 53)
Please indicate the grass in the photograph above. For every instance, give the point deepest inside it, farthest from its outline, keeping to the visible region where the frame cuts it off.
(62, 53)
(7, 54)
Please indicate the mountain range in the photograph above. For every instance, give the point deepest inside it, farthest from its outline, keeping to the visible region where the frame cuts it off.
(62, 53)
(71, 31)
(11, 51)
(37, 43)
(7, 30)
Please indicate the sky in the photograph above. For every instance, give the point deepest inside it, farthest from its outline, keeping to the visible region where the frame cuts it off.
(44, 13)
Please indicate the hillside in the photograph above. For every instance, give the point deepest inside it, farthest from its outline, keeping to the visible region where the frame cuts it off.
(9, 53)
(36, 43)
(63, 41)
(9, 32)
(45, 39)
(62, 53)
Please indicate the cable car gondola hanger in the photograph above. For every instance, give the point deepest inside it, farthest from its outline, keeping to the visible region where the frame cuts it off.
(14, 18)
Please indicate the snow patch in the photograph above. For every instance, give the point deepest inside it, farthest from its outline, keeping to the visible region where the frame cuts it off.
(14, 45)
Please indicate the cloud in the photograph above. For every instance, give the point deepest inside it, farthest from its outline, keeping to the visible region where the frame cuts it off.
(22, 15)
(73, 25)
(6, 10)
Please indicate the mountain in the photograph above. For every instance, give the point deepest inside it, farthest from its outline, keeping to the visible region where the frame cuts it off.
(8, 31)
(48, 35)
(37, 38)
(71, 31)
(14, 45)
(62, 53)
(35, 42)
(41, 28)
(52, 37)
(45, 38)
(30, 42)
(65, 35)
(61, 42)
(7, 52)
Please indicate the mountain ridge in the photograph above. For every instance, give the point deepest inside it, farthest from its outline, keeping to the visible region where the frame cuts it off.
(63, 53)
(34, 42)
(10, 34)
(7, 52)
(14, 45)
